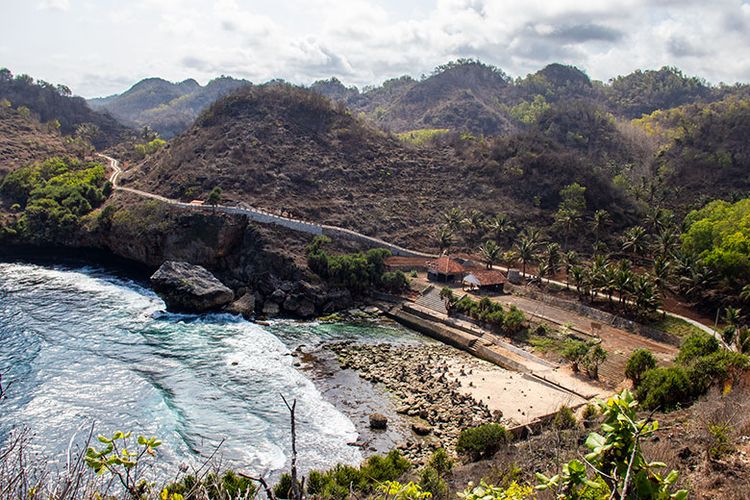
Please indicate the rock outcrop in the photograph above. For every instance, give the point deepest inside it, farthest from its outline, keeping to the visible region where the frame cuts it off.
(245, 305)
(187, 287)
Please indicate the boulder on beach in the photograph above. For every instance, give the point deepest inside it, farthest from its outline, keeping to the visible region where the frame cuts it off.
(421, 429)
(186, 287)
(378, 421)
(245, 305)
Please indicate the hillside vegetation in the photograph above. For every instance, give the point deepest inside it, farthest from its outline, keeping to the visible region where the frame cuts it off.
(25, 140)
(56, 104)
(168, 108)
(286, 148)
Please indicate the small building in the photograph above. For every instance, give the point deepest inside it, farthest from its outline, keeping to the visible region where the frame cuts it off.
(489, 280)
(445, 269)
(407, 264)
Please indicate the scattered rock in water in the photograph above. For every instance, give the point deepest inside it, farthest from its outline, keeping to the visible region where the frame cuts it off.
(378, 421)
(189, 288)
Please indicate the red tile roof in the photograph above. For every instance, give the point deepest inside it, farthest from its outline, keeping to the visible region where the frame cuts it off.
(446, 265)
(489, 277)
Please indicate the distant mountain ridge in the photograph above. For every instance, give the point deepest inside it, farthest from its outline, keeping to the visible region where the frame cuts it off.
(168, 108)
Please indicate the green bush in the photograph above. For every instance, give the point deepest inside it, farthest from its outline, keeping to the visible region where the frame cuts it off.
(564, 419)
(336, 483)
(665, 388)
(639, 362)
(482, 441)
(283, 488)
(697, 345)
(53, 196)
(395, 281)
(228, 485)
(357, 272)
(432, 476)
(715, 368)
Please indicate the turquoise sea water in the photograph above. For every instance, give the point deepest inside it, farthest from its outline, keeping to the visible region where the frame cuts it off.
(85, 346)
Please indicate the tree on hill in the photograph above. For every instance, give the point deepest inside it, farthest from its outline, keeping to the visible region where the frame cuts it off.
(642, 92)
(214, 197)
(54, 102)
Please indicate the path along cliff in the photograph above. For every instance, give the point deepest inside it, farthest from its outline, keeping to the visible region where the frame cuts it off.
(263, 217)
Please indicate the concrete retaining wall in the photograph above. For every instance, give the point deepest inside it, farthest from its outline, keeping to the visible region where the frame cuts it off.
(460, 340)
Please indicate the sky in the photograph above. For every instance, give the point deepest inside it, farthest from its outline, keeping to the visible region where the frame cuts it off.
(101, 47)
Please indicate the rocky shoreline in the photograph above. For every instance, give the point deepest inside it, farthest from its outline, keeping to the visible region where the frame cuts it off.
(421, 379)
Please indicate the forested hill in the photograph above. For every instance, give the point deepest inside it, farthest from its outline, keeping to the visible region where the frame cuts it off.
(282, 147)
(56, 105)
(168, 108)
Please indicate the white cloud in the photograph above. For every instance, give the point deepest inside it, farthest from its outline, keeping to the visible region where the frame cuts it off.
(54, 5)
(367, 41)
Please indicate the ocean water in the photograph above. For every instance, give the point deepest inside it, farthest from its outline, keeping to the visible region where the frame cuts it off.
(84, 346)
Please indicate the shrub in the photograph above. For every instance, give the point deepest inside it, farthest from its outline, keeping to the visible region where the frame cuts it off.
(720, 440)
(432, 476)
(213, 485)
(718, 367)
(639, 363)
(338, 482)
(514, 320)
(482, 441)
(484, 491)
(575, 351)
(665, 388)
(389, 468)
(430, 481)
(441, 462)
(697, 345)
(564, 419)
(395, 281)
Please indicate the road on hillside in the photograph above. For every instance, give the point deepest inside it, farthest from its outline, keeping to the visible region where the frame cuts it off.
(315, 228)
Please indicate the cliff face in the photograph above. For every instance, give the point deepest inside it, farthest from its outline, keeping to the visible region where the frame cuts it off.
(267, 263)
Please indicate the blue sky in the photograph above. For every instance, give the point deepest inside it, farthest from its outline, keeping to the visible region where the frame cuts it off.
(100, 47)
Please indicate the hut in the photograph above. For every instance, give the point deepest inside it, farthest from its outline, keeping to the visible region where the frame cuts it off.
(486, 280)
(445, 269)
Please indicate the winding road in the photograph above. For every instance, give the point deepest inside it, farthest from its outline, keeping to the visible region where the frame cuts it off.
(264, 217)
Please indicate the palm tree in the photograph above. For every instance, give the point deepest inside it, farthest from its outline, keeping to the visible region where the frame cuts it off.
(623, 280)
(733, 316)
(597, 275)
(635, 241)
(578, 276)
(453, 218)
(444, 238)
(644, 295)
(566, 220)
(474, 223)
(525, 251)
(543, 271)
(666, 241)
(500, 226)
(662, 272)
(533, 234)
(699, 278)
(657, 219)
(552, 258)
(570, 259)
(490, 253)
(601, 220)
(745, 293)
